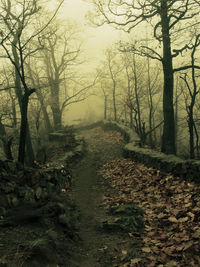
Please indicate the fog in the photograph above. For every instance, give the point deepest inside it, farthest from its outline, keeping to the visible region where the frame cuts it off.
(95, 41)
(65, 70)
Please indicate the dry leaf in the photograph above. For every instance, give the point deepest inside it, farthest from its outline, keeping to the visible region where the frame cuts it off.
(181, 220)
(124, 252)
(146, 249)
(173, 219)
(136, 260)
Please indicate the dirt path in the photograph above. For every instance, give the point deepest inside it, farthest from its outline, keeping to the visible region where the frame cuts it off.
(87, 191)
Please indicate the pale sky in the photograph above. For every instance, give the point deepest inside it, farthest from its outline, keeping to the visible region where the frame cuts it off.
(96, 39)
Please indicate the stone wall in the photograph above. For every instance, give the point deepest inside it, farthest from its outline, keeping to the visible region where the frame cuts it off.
(31, 185)
(186, 169)
(129, 135)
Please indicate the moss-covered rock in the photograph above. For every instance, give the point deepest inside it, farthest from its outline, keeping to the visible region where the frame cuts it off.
(125, 217)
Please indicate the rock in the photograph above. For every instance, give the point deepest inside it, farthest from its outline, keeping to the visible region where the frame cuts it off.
(15, 201)
(45, 193)
(29, 195)
(52, 234)
(11, 166)
(3, 201)
(8, 187)
(9, 200)
(3, 263)
(64, 219)
(50, 187)
(127, 217)
(38, 192)
(2, 211)
(41, 155)
(42, 248)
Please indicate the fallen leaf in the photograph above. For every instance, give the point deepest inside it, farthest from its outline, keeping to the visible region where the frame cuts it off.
(146, 249)
(124, 252)
(173, 219)
(181, 220)
(136, 260)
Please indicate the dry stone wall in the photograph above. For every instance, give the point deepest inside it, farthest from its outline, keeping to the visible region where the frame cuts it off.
(186, 169)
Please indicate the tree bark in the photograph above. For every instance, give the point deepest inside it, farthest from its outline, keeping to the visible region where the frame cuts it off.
(191, 131)
(24, 128)
(150, 102)
(47, 122)
(55, 103)
(18, 92)
(56, 117)
(7, 142)
(168, 138)
(40, 97)
(114, 101)
(105, 107)
(139, 126)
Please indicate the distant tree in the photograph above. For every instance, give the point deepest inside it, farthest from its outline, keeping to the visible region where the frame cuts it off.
(61, 55)
(105, 95)
(38, 80)
(103, 89)
(113, 67)
(139, 92)
(193, 89)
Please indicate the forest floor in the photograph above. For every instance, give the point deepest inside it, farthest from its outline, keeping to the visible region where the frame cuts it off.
(88, 192)
(116, 213)
(131, 215)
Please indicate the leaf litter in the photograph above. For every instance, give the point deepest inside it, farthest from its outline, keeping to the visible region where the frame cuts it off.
(171, 235)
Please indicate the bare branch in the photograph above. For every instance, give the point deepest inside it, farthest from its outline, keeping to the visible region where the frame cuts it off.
(186, 68)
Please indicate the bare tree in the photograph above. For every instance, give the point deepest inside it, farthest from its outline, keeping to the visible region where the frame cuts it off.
(193, 92)
(38, 80)
(166, 18)
(103, 90)
(114, 68)
(61, 56)
(139, 91)
(16, 36)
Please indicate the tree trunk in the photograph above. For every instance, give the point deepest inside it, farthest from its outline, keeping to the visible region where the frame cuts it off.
(55, 106)
(114, 101)
(14, 112)
(56, 117)
(40, 97)
(18, 92)
(138, 115)
(23, 129)
(105, 107)
(131, 117)
(191, 131)
(24, 139)
(150, 101)
(168, 138)
(176, 114)
(7, 142)
(44, 111)
(197, 140)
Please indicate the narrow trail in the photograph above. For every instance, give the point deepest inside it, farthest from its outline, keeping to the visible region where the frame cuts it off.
(132, 215)
(87, 191)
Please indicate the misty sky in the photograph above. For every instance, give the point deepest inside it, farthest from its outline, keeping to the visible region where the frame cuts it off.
(96, 39)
